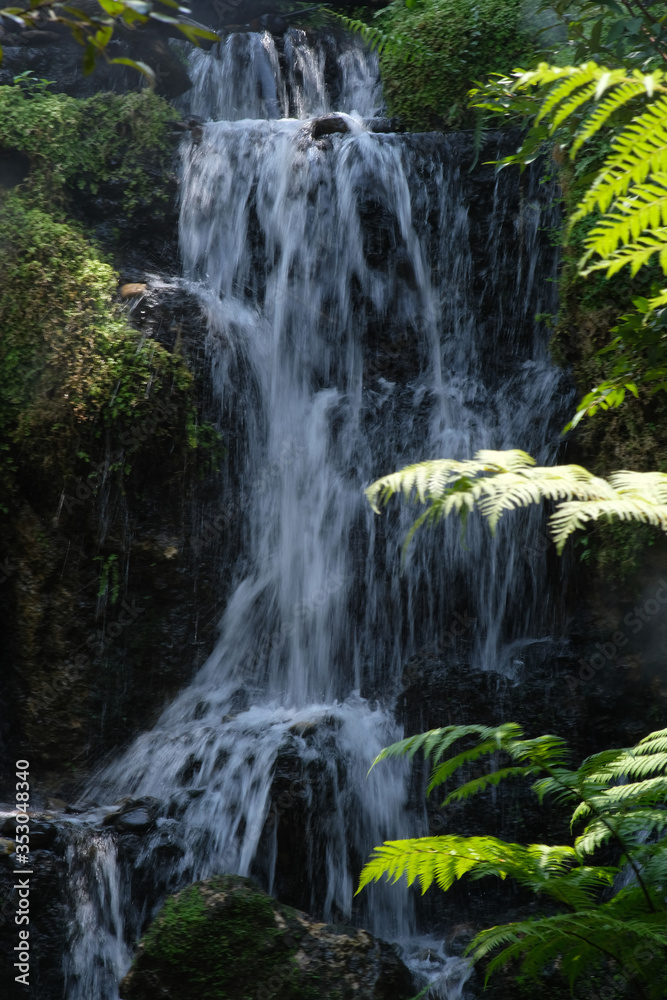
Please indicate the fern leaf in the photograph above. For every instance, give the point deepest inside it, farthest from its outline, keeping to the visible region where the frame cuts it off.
(478, 785)
(640, 150)
(641, 822)
(627, 91)
(578, 76)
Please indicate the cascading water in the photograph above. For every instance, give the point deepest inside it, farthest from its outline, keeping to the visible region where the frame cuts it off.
(360, 316)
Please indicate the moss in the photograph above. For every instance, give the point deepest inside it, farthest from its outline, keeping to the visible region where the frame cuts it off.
(616, 550)
(76, 379)
(456, 42)
(210, 941)
(76, 145)
(73, 372)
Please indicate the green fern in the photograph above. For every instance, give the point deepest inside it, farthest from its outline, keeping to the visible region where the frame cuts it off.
(625, 207)
(630, 928)
(497, 481)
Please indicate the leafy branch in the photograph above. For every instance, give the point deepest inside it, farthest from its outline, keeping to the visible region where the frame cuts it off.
(93, 28)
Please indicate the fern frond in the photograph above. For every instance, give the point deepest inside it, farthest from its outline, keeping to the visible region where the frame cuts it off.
(577, 76)
(627, 91)
(573, 516)
(580, 941)
(636, 254)
(495, 482)
(478, 785)
(435, 742)
(640, 822)
(640, 150)
(448, 858)
(645, 210)
(655, 742)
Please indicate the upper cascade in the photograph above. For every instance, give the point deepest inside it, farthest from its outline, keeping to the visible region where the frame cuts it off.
(256, 75)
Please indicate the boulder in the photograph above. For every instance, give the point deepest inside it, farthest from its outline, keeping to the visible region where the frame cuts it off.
(225, 938)
(135, 816)
(328, 125)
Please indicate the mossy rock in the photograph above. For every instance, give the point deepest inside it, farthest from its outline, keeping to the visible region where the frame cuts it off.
(225, 939)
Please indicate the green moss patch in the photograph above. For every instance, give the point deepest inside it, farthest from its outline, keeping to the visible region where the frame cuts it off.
(212, 940)
(76, 145)
(72, 369)
(225, 939)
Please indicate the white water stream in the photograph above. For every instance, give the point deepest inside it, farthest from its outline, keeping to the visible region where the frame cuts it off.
(351, 329)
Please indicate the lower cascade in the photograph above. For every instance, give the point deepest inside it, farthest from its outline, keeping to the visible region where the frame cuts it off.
(369, 302)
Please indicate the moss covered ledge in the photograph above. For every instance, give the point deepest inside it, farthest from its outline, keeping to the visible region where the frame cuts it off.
(225, 939)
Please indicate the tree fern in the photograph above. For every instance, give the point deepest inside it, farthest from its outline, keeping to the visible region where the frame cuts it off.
(495, 482)
(629, 928)
(571, 105)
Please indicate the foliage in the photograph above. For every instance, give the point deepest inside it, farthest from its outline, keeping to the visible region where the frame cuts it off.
(83, 144)
(629, 31)
(612, 912)
(93, 22)
(72, 368)
(432, 51)
(624, 205)
(496, 481)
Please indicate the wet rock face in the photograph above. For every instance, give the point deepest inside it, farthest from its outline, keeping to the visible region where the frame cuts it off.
(225, 937)
(52, 54)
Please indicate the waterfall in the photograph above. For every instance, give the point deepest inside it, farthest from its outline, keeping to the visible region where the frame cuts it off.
(368, 303)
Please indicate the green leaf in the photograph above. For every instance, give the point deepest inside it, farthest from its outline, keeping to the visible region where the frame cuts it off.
(141, 67)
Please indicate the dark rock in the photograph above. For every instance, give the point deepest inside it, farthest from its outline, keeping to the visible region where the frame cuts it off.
(328, 125)
(135, 816)
(384, 125)
(50, 920)
(225, 937)
(136, 821)
(14, 168)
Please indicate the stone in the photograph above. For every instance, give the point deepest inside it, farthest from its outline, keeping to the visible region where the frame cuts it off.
(328, 125)
(135, 821)
(6, 846)
(225, 937)
(134, 816)
(132, 289)
(56, 805)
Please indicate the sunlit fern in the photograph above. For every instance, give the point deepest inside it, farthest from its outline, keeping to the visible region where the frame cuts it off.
(618, 795)
(494, 482)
